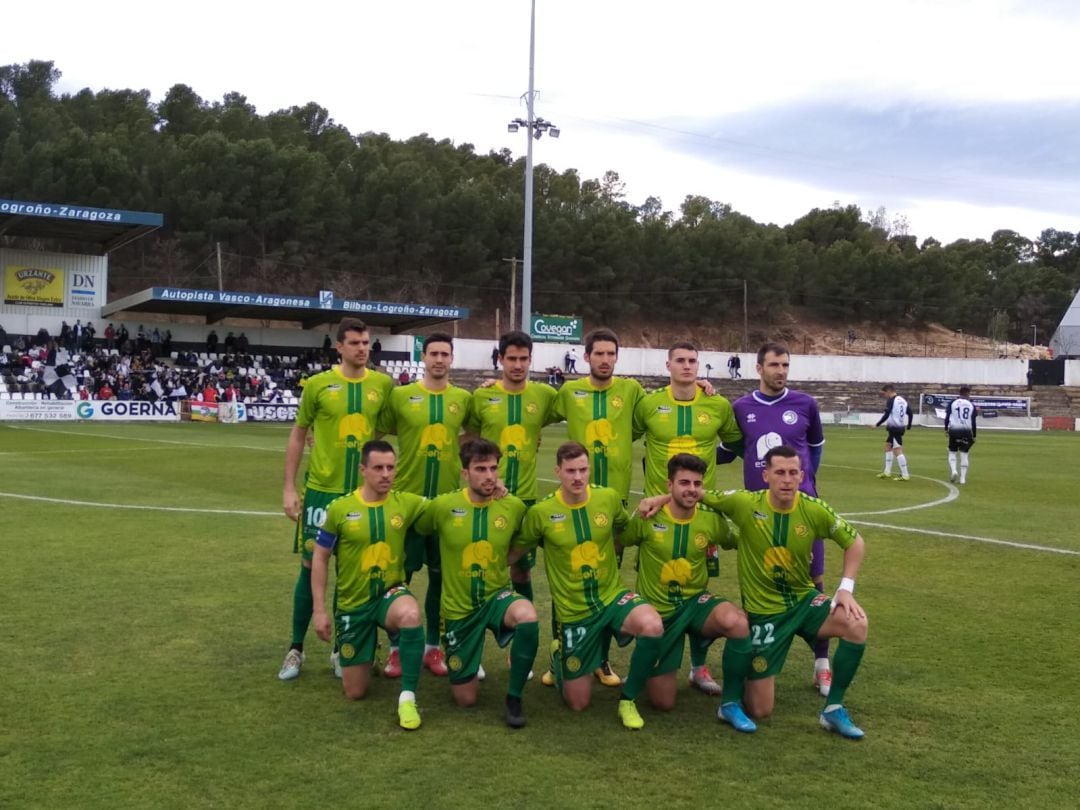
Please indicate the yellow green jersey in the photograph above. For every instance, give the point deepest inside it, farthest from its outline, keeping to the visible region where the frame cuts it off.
(683, 426)
(368, 541)
(344, 413)
(579, 550)
(513, 421)
(774, 545)
(474, 539)
(427, 424)
(672, 555)
(602, 419)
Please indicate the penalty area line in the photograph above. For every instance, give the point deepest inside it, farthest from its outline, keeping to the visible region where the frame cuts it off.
(972, 537)
(140, 507)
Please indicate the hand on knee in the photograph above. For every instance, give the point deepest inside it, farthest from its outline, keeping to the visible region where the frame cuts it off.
(857, 631)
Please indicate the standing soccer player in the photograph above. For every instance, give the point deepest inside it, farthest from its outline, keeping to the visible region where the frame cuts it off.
(577, 525)
(673, 575)
(960, 419)
(365, 531)
(342, 407)
(511, 413)
(769, 417)
(427, 416)
(475, 532)
(599, 414)
(897, 419)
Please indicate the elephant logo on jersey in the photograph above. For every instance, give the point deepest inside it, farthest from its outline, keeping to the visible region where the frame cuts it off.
(355, 425)
(481, 554)
(766, 442)
(777, 557)
(586, 556)
(599, 434)
(513, 440)
(433, 437)
(681, 444)
(701, 540)
(677, 572)
(377, 555)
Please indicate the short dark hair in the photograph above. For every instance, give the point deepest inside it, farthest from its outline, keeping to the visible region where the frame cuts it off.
(888, 388)
(350, 325)
(781, 451)
(681, 344)
(964, 390)
(685, 461)
(438, 337)
(477, 450)
(515, 338)
(774, 347)
(568, 451)
(602, 333)
(375, 446)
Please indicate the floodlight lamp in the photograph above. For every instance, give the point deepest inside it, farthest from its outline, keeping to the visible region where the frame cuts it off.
(553, 132)
(512, 127)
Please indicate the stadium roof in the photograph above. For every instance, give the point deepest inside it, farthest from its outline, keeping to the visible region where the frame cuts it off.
(216, 305)
(105, 228)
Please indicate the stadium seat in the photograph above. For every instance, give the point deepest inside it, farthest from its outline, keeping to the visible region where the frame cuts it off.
(5, 395)
(7, 349)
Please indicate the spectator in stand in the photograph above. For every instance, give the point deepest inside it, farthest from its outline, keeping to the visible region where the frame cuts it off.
(210, 392)
(166, 343)
(88, 336)
(211, 342)
(105, 392)
(65, 335)
(495, 359)
(122, 335)
(242, 343)
(110, 337)
(734, 366)
(403, 377)
(42, 337)
(125, 392)
(84, 392)
(141, 341)
(230, 343)
(376, 353)
(232, 393)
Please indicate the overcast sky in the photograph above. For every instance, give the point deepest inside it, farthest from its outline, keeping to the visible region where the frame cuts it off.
(961, 116)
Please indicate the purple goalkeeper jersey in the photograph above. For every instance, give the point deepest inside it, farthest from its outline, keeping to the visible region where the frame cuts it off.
(792, 418)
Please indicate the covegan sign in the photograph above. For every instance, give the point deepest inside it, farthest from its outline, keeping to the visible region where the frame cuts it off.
(556, 328)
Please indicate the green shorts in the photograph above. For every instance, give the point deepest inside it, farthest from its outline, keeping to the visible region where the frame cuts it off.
(582, 643)
(464, 638)
(771, 636)
(355, 629)
(310, 520)
(687, 620)
(421, 550)
(527, 561)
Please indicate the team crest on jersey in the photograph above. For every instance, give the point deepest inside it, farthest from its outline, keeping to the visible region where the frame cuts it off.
(397, 521)
(627, 598)
(500, 523)
(373, 396)
(601, 520)
(390, 594)
(616, 402)
(701, 540)
(453, 407)
(759, 664)
(819, 600)
(801, 530)
(309, 545)
(348, 651)
(573, 663)
(790, 417)
(531, 408)
(354, 515)
(454, 663)
(703, 418)
(504, 595)
(705, 597)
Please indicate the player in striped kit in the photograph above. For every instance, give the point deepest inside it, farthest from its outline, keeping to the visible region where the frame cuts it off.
(960, 419)
(897, 419)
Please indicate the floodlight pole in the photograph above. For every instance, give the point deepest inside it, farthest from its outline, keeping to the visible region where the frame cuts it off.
(1034, 334)
(526, 273)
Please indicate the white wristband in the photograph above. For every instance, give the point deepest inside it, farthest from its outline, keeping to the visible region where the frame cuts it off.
(846, 584)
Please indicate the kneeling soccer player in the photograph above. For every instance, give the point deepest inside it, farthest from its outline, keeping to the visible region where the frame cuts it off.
(577, 524)
(475, 532)
(365, 530)
(777, 527)
(673, 575)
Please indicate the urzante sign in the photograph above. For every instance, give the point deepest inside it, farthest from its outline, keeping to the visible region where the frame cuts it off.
(556, 328)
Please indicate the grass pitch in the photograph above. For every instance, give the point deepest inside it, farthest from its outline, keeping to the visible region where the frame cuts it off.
(141, 647)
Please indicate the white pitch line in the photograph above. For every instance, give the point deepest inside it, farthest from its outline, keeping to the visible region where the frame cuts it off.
(140, 439)
(976, 538)
(69, 502)
(952, 494)
(95, 451)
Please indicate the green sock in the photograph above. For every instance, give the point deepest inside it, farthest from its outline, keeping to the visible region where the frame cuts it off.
(699, 650)
(302, 606)
(736, 664)
(525, 589)
(605, 646)
(522, 654)
(642, 662)
(845, 662)
(432, 603)
(412, 654)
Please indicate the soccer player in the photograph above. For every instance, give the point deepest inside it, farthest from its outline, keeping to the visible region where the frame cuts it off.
(475, 532)
(775, 415)
(427, 416)
(599, 414)
(897, 419)
(342, 407)
(365, 530)
(511, 413)
(673, 576)
(960, 419)
(577, 525)
(776, 529)
(682, 418)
